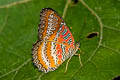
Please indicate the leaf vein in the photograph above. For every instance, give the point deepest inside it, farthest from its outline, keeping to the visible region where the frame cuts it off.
(112, 28)
(14, 3)
(17, 69)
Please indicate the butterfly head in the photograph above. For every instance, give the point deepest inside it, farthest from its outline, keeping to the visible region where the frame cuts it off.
(77, 45)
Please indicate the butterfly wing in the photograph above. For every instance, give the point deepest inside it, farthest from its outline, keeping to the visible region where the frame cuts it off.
(64, 43)
(55, 44)
(49, 24)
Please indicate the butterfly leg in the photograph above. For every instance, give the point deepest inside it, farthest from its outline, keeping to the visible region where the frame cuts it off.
(67, 64)
(80, 51)
(79, 59)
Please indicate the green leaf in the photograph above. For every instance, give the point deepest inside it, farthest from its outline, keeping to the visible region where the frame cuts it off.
(100, 55)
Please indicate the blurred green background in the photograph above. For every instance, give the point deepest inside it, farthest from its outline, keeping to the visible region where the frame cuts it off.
(19, 21)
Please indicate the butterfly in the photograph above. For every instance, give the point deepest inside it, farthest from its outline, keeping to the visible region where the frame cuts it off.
(55, 42)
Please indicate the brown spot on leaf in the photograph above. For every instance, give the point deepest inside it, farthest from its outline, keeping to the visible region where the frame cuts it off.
(92, 34)
(75, 1)
(116, 78)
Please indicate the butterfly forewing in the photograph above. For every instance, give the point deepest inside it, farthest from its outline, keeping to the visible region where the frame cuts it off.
(55, 43)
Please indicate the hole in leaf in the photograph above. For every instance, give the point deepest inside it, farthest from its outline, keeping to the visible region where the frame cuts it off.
(92, 34)
(116, 78)
(75, 1)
